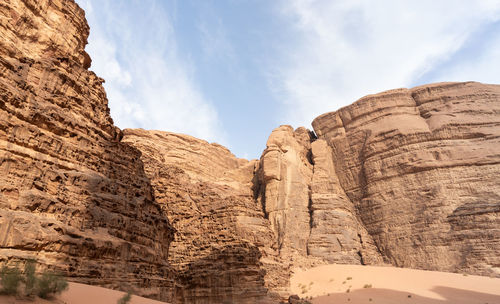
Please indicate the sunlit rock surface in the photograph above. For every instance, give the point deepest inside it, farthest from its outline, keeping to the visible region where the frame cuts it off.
(408, 177)
(72, 196)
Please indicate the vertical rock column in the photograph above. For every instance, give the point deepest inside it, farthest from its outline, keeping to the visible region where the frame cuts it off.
(309, 212)
(286, 174)
(337, 236)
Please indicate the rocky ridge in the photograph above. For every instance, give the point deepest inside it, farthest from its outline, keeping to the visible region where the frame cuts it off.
(407, 177)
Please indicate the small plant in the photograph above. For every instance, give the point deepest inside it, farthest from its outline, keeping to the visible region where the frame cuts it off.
(42, 286)
(349, 278)
(370, 299)
(30, 278)
(49, 283)
(367, 286)
(125, 299)
(11, 277)
(409, 296)
(343, 282)
(348, 290)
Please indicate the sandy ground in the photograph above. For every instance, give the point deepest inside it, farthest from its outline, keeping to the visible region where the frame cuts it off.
(389, 285)
(82, 294)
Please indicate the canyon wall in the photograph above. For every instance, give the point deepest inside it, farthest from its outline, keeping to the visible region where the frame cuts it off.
(422, 168)
(223, 249)
(309, 212)
(407, 177)
(72, 196)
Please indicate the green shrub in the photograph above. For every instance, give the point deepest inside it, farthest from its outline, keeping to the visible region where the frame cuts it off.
(125, 299)
(11, 277)
(49, 283)
(29, 277)
(42, 286)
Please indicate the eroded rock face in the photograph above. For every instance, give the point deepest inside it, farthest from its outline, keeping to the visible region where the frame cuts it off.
(72, 196)
(286, 173)
(408, 177)
(337, 234)
(311, 216)
(422, 168)
(224, 248)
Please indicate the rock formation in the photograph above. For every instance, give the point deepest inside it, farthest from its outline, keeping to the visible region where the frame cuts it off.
(407, 177)
(308, 210)
(422, 168)
(382, 180)
(223, 249)
(72, 196)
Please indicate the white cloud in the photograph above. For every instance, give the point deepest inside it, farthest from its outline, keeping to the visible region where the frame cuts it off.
(347, 49)
(149, 83)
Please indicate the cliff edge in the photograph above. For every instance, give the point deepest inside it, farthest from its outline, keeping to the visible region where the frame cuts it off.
(407, 177)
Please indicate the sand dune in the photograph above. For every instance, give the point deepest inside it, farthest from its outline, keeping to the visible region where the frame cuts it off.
(82, 294)
(368, 284)
(334, 284)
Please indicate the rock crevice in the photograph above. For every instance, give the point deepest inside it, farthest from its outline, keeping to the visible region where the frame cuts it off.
(407, 177)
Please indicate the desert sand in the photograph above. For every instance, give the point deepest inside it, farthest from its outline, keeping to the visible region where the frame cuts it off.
(82, 294)
(369, 284)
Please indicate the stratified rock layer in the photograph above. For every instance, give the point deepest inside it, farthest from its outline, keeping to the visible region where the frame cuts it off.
(72, 196)
(309, 212)
(422, 168)
(223, 249)
(408, 177)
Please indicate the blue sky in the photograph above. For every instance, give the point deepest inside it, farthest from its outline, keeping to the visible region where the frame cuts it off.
(230, 71)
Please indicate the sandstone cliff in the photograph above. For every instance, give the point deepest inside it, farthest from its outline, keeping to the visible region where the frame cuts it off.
(308, 209)
(422, 168)
(223, 249)
(72, 196)
(407, 177)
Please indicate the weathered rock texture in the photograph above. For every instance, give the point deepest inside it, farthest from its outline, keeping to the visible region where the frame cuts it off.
(223, 249)
(408, 177)
(422, 168)
(72, 196)
(310, 214)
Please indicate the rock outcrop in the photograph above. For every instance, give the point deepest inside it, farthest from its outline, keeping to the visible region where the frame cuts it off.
(223, 249)
(72, 196)
(381, 181)
(422, 168)
(309, 212)
(408, 177)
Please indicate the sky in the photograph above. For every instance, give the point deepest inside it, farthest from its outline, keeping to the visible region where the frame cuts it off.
(230, 71)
